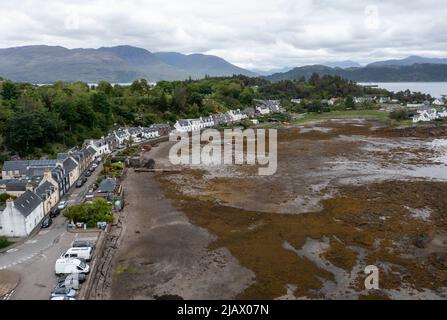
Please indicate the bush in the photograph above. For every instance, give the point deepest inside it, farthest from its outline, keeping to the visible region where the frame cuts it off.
(399, 115)
(4, 242)
(90, 213)
(4, 197)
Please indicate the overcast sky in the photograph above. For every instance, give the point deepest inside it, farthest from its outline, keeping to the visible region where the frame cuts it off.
(262, 34)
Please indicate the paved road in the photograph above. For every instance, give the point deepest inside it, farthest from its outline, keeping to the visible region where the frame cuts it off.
(34, 260)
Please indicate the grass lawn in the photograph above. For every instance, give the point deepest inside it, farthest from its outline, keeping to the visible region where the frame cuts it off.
(364, 114)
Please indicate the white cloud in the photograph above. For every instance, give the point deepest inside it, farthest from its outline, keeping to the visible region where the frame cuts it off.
(250, 33)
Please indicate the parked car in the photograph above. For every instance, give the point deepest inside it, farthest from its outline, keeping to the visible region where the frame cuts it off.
(81, 182)
(83, 244)
(62, 205)
(94, 165)
(67, 266)
(62, 298)
(47, 222)
(88, 173)
(63, 292)
(78, 253)
(79, 276)
(69, 282)
(55, 212)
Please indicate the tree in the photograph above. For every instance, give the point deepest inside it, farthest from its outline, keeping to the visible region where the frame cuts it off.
(10, 91)
(349, 102)
(24, 133)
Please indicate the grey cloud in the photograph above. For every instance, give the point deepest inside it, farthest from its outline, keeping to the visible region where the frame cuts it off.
(250, 33)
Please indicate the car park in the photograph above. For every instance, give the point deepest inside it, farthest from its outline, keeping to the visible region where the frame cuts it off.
(55, 212)
(46, 222)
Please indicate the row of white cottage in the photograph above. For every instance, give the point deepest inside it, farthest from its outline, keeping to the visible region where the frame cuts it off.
(429, 114)
(38, 185)
(232, 116)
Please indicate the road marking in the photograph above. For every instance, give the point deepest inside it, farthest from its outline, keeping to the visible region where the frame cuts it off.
(30, 241)
(12, 250)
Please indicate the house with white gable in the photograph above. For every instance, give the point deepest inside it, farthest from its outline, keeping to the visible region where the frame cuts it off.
(442, 113)
(438, 102)
(425, 115)
(20, 216)
(262, 110)
(122, 137)
(101, 146)
(236, 115)
(208, 121)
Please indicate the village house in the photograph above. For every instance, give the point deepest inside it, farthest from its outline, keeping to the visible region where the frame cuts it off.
(20, 216)
(249, 112)
(48, 192)
(438, 102)
(101, 147)
(384, 100)
(219, 119)
(236, 115)
(208, 122)
(425, 115)
(442, 113)
(262, 110)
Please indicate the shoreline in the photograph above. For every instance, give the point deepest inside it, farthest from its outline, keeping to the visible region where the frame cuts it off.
(163, 255)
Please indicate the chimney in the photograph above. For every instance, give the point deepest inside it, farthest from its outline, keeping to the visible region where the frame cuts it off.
(9, 204)
(47, 175)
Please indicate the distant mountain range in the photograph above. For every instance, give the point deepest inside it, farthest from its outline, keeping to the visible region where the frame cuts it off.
(409, 61)
(411, 69)
(121, 64)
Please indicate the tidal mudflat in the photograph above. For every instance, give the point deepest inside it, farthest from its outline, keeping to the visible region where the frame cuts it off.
(347, 194)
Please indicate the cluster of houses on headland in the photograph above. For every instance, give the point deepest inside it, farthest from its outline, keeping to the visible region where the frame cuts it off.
(38, 185)
(263, 108)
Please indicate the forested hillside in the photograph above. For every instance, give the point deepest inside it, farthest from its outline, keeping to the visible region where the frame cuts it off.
(42, 120)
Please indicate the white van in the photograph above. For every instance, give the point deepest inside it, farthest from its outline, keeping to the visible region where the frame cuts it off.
(79, 253)
(67, 266)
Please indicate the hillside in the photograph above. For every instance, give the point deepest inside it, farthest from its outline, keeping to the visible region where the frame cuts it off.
(122, 64)
(415, 72)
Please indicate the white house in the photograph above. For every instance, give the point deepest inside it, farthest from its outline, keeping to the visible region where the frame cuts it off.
(19, 217)
(262, 110)
(438, 102)
(425, 115)
(236, 115)
(101, 146)
(122, 136)
(442, 113)
(208, 122)
(183, 126)
(189, 125)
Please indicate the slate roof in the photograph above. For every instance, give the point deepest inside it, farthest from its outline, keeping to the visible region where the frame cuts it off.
(107, 185)
(69, 165)
(20, 165)
(27, 203)
(91, 151)
(16, 185)
(44, 188)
